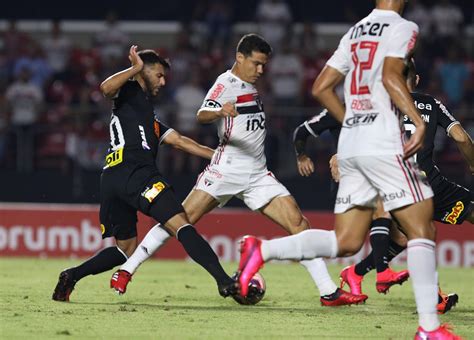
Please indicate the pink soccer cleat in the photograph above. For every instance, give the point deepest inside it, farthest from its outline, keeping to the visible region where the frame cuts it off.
(443, 332)
(388, 278)
(348, 276)
(250, 261)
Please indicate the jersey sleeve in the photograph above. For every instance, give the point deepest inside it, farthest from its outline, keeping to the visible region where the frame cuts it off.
(445, 118)
(320, 123)
(219, 94)
(341, 59)
(161, 130)
(402, 42)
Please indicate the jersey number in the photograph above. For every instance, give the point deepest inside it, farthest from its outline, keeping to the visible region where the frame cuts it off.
(410, 129)
(360, 67)
(117, 140)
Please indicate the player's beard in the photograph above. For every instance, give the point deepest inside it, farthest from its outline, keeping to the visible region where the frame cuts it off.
(149, 87)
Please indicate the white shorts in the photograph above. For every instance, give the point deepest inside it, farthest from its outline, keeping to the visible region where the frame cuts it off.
(365, 178)
(256, 190)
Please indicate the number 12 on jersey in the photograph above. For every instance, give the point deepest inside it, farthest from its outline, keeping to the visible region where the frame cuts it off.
(357, 87)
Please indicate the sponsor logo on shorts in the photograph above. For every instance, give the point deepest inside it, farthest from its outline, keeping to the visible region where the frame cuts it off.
(393, 196)
(207, 182)
(102, 229)
(456, 211)
(360, 119)
(214, 173)
(343, 200)
(151, 193)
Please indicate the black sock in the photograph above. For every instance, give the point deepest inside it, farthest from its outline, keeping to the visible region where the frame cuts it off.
(394, 249)
(366, 265)
(379, 240)
(104, 260)
(201, 252)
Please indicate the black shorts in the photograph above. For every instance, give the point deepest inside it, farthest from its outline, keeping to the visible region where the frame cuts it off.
(452, 202)
(126, 189)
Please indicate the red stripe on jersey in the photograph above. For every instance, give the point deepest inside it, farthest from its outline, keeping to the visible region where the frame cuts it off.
(406, 177)
(245, 98)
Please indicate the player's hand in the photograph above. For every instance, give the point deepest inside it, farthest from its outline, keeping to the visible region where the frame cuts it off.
(305, 165)
(137, 62)
(415, 142)
(334, 168)
(228, 110)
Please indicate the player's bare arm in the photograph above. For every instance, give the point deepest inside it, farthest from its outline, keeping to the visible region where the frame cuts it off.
(112, 84)
(188, 145)
(209, 116)
(324, 91)
(395, 84)
(464, 143)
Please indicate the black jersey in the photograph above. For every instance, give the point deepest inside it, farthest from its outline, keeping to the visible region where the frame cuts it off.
(135, 131)
(434, 114)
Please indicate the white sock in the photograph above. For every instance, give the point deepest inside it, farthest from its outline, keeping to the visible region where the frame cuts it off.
(306, 245)
(155, 238)
(422, 267)
(319, 272)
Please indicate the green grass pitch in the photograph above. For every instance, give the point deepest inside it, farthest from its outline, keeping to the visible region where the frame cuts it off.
(176, 300)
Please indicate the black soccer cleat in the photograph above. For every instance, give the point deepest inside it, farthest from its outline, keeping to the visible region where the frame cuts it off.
(229, 289)
(446, 302)
(64, 287)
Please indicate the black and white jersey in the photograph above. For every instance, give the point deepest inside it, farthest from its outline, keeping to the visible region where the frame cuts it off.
(434, 114)
(135, 131)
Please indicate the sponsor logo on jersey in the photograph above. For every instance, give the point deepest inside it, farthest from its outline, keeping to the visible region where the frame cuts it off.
(456, 211)
(426, 118)
(256, 123)
(151, 193)
(444, 110)
(343, 200)
(114, 158)
(361, 105)
(393, 196)
(423, 106)
(212, 104)
(217, 91)
(361, 119)
(368, 28)
(145, 145)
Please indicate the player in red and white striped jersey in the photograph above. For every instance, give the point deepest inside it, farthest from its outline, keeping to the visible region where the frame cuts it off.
(238, 167)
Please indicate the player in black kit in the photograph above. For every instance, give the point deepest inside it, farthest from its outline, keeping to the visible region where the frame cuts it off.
(131, 182)
(452, 203)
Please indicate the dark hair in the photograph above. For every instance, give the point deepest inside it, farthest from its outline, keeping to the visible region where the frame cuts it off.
(150, 57)
(253, 43)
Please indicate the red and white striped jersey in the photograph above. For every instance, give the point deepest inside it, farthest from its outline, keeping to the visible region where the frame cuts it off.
(372, 124)
(241, 138)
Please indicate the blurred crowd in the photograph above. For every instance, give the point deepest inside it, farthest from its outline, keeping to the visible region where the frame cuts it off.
(53, 116)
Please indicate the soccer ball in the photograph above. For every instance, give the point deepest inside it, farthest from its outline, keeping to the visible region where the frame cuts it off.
(256, 292)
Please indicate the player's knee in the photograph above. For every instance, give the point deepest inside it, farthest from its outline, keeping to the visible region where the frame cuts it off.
(427, 231)
(348, 246)
(127, 246)
(297, 223)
